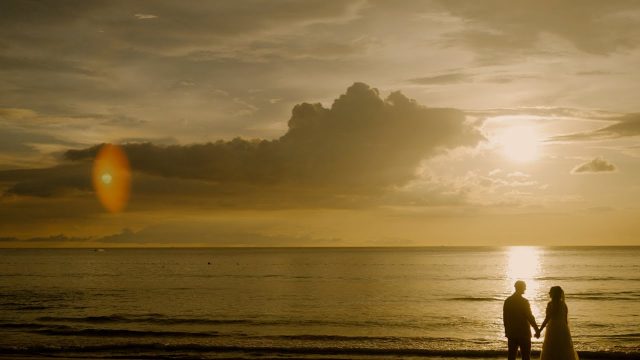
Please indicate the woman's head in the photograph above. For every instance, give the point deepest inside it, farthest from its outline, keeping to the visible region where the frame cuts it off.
(556, 293)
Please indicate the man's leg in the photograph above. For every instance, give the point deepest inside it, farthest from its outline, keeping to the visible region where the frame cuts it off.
(525, 348)
(513, 348)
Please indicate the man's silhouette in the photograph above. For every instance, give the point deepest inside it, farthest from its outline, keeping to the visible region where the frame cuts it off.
(518, 320)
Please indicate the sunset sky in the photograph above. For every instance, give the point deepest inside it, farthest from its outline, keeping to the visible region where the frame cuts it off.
(322, 123)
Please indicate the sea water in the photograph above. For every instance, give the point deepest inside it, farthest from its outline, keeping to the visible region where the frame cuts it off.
(306, 302)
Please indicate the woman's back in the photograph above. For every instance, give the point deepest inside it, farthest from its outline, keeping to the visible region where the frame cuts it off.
(557, 343)
(557, 311)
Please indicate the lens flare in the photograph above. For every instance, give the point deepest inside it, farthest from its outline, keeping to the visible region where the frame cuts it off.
(112, 178)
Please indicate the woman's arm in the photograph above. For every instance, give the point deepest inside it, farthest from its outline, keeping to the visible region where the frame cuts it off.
(546, 318)
(544, 323)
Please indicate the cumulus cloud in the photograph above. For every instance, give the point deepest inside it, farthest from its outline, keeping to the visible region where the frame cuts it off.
(361, 144)
(361, 140)
(597, 165)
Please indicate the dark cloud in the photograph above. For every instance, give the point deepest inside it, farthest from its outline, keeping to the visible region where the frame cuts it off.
(44, 239)
(180, 234)
(219, 235)
(361, 145)
(34, 65)
(626, 125)
(597, 165)
(56, 181)
(442, 79)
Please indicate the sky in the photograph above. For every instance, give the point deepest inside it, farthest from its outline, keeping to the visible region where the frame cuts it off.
(321, 123)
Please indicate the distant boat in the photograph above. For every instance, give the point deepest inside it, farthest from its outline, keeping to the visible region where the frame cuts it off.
(98, 250)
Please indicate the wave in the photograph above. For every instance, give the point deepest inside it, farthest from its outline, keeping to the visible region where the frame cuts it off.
(157, 349)
(593, 278)
(122, 333)
(160, 319)
(149, 318)
(474, 298)
(65, 330)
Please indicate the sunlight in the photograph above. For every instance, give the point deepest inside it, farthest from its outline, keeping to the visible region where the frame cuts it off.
(520, 143)
(523, 263)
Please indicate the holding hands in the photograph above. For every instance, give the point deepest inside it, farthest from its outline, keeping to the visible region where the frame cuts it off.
(537, 335)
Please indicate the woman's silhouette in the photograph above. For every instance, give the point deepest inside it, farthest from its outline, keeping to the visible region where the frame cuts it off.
(557, 343)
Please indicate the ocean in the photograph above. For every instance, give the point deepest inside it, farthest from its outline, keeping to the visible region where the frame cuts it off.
(321, 303)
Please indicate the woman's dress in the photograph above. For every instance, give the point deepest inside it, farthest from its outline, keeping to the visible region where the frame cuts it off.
(557, 343)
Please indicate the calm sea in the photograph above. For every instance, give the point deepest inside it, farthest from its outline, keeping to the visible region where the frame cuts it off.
(314, 303)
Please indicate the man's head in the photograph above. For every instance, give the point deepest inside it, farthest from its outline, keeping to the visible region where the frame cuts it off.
(520, 287)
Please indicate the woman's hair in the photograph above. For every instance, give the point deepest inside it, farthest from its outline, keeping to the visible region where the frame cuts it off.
(557, 294)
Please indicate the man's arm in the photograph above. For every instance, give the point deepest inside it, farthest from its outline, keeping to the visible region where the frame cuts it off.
(505, 321)
(532, 320)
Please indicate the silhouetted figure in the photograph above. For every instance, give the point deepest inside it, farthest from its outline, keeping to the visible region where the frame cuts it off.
(518, 320)
(557, 343)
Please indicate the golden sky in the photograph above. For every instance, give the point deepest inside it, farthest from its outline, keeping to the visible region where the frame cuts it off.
(322, 123)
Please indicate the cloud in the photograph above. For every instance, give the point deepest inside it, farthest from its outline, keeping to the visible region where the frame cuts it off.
(502, 27)
(550, 111)
(597, 165)
(195, 233)
(174, 26)
(50, 182)
(626, 126)
(361, 140)
(45, 239)
(145, 16)
(361, 146)
(596, 73)
(189, 233)
(442, 79)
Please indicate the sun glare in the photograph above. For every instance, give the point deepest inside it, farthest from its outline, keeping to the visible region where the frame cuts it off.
(112, 177)
(522, 262)
(106, 178)
(520, 143)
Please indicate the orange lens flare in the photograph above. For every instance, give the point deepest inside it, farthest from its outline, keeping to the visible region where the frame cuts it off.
(112, 177)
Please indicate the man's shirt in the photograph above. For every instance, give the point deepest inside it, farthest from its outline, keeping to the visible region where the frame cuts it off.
(517, 317)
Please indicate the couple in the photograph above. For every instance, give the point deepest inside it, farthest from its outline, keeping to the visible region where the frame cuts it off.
(518, 320)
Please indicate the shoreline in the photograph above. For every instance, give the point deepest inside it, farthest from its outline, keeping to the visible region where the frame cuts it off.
(237, 352)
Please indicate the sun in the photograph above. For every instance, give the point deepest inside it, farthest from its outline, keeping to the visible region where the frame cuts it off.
(520, 143)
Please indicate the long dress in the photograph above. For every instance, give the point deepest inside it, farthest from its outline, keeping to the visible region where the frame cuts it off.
(557, 343)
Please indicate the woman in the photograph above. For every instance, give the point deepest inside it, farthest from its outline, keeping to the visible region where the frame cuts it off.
(557, 343)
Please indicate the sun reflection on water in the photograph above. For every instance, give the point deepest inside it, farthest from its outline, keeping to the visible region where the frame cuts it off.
(523, 263)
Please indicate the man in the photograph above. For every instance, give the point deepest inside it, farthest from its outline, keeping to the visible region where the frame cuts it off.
(518, 319)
